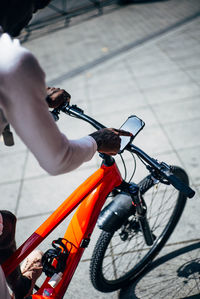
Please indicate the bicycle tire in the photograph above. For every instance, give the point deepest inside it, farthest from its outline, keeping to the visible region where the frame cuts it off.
(106, 259)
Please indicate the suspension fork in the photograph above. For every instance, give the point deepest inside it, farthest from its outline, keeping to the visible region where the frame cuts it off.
(141, 212)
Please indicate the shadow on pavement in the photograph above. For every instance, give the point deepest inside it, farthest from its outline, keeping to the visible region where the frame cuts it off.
(125, 2)
(175, 275)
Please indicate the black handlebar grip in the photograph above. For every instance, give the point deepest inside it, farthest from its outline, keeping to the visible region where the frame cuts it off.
(180, 186)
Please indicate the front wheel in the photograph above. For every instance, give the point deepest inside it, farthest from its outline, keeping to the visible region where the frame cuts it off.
(121, 256)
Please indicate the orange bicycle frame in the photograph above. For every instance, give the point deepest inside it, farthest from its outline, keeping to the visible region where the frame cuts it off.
(90, 196)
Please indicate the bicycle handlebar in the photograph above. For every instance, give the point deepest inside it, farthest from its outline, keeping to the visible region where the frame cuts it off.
(162, 167)
(164, 170)
(75, 111)
(173, 180)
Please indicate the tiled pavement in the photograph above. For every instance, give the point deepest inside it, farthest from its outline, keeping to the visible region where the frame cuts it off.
(141, 59)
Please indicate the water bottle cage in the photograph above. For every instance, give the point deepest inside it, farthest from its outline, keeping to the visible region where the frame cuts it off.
(54, 260)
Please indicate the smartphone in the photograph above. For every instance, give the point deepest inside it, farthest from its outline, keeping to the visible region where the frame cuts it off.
(133, 125)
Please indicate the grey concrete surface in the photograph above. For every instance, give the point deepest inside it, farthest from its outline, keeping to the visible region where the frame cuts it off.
(141, 59)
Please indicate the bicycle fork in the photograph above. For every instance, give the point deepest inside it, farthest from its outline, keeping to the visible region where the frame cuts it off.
(141, 212)
(126, 203)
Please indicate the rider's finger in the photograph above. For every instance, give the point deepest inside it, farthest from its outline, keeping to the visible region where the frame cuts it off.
(122, 132)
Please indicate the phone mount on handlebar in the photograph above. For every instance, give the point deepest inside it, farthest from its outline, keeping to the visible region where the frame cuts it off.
(160, 171)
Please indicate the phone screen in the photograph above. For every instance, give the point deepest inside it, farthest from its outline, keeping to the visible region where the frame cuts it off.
(133, 125)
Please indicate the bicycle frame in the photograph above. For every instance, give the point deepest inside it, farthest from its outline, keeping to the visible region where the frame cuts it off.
(90, 196)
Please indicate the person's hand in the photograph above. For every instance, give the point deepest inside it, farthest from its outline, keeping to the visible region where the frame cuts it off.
(56, 97)
(108, 140)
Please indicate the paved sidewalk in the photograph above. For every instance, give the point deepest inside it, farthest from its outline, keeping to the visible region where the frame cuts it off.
(141, 59)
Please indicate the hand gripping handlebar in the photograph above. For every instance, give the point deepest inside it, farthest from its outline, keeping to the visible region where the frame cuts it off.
(162, 168)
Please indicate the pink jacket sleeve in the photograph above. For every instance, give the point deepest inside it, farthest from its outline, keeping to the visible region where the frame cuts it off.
(22, 99)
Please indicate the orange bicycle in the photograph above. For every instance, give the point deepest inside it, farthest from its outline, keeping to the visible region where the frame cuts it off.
(136, 224)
